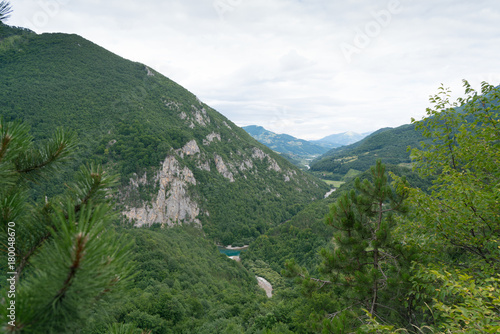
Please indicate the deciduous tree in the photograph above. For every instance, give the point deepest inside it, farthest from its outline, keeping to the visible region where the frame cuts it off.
(462, 210)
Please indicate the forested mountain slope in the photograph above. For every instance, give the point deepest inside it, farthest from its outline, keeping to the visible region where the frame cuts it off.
(183, 285)
(390, 145)
(179, 160)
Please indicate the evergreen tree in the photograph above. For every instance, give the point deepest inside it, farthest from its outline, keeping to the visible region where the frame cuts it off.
(61, 255)
(367, 265)
(364, 258)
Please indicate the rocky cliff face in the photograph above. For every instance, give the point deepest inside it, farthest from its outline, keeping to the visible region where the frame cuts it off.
(180, 198)
(174, 204)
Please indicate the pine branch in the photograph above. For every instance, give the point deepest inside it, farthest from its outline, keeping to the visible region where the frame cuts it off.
(25, 259)
(79, 247)
(5, 143)
(87, 263)
(52, 158)
(5, 10)
(316, 280)
(92, 185)
(30, 163)
(72, 255)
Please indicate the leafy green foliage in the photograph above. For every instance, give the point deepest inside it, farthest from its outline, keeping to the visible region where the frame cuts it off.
(463, 157)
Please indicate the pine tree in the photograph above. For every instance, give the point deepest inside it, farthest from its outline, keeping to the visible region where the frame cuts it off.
(366, 268)
(365, 259)
(62, 256)
(5, 10)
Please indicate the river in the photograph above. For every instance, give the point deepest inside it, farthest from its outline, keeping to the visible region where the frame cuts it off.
(330, 192)
(234, 253)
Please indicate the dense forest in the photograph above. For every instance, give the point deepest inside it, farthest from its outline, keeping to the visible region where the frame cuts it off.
(434, 273)
(410, 245)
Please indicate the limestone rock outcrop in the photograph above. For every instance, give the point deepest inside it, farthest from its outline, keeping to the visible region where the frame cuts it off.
(172, 204)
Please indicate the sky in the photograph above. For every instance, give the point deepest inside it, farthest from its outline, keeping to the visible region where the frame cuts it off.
(308, 68)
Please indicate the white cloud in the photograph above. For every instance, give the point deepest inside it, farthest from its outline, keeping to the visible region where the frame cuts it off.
(279, 63)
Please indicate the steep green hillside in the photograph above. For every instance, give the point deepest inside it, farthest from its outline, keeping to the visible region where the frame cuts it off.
(388, 144)
(180, 161)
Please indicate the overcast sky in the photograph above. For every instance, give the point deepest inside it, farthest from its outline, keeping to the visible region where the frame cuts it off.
(309, 68)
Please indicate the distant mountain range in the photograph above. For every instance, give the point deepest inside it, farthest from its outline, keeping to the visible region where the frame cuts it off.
(287, 144)
(300, 148)
(341, 139)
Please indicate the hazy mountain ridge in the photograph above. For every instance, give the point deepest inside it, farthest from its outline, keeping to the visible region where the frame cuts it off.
(341, 139)
(288, 144)
(285, 143)
(180, 161)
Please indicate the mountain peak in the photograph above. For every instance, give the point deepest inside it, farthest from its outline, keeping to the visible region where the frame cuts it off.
(344, 138)
(284, 143)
